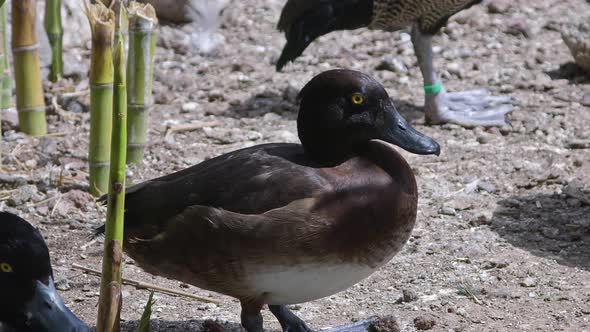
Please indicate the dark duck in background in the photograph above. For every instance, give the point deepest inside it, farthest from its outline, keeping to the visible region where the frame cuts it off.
(277, 224)
(305, 20)
(29, 301)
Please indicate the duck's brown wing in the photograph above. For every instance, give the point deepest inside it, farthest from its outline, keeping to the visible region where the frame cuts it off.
(249, 181)
(202, 245)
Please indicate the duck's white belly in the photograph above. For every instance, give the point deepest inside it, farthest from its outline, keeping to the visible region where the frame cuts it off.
(282, 284)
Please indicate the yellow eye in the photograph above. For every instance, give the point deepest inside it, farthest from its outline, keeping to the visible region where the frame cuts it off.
(5, 267)
(357, 99)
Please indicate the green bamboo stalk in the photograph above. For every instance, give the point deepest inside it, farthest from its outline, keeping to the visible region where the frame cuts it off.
(55, 33)
(5, 81)
(140, 71)
(27, 68)
(102, 25)
(109, 305)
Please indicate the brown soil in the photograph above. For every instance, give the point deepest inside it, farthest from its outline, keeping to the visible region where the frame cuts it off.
(502, 241)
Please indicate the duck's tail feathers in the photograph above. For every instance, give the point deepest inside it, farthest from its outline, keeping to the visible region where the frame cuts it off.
(305, 20)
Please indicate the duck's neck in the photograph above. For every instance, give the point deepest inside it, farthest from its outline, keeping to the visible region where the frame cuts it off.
(329, 151)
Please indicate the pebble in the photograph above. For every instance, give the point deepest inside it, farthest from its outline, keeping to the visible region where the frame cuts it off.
(22, 195)
(585, 100)
(447, 211)
(499, 6)
(63, 285)
(424, 323)
(392, 64)
(578, 144)
(270, 116)
(189, 107)
(486, 186)
(529, 282)
(409, 296)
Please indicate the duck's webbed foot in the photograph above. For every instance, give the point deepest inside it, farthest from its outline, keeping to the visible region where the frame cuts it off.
(467, 108)
(288, 320)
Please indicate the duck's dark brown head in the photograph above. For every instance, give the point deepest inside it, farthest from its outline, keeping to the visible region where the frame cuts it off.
(341, 110)
(29, 301)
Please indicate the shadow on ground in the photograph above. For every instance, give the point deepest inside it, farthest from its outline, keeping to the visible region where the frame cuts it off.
(552, 226)
(287, 105)
(193, 325)
(571, 72)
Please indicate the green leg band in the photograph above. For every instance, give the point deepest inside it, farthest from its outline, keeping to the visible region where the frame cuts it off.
(432, 89)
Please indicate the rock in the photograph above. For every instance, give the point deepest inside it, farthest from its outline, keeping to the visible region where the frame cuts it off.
(585, 100)
(447, 211)
(385, 324)
(409, 296)
(392, 64)
(529, 282)
(79, 198)
(424, 323)
(499, 6)
(578, 144)
(23, 195)
(486, 186)
(63, 285)
(576, 36)
(189, 107)
(270, 116)
(519, 26)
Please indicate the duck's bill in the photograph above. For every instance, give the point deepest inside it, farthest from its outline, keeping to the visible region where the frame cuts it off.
(396, 130)
(47, 312)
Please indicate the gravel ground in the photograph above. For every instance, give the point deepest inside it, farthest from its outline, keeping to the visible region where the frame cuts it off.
(502, 241)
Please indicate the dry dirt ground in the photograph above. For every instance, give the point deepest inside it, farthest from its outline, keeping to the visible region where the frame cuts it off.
(502, 241)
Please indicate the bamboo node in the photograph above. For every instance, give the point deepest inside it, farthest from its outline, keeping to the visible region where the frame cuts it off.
(28, 48)
(100, 163)
(139, 107)
(32, 109)
(107, 86)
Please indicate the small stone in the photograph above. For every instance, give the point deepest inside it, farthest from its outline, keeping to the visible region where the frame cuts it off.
(409, 296)
(486, 186)
(189, 107)
(529, 282)
(63, 285)
(585, 100)
(455, 69)
(31, 163)
(424, 323)
(270, 116)
(578, 144)
(462, 312)
(519, 26)
(22, 195)
(482, 218)
(392, 64)
(385, 324)
(499, 6)
(447, 211)
(80, 198)
(483, 139)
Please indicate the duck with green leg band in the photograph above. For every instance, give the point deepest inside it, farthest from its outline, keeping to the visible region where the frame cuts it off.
(433, 89)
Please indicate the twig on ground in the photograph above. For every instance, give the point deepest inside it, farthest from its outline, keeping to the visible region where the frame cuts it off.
(188, 127)
(145, 285)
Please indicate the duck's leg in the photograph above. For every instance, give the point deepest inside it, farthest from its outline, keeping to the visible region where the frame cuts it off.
(288, 320)
(467, 108)
(251, 317)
